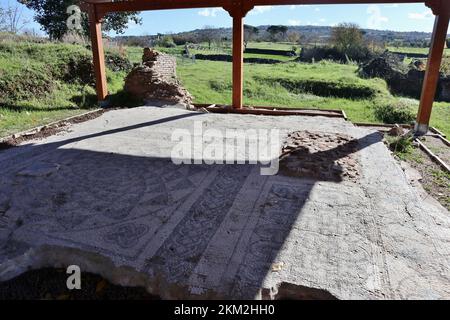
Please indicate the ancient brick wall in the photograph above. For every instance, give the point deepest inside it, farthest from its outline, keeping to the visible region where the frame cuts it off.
(166, 67)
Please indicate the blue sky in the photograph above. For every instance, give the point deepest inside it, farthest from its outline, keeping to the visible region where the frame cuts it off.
(405, 17)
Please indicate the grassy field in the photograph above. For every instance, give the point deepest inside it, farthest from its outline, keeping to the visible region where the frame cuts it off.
(270, 45)
(177, 51)
(274, 85)
(38, 88)
(414, 50)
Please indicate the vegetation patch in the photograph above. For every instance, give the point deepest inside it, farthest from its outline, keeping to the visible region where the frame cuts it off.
(16, 86)
(393, 113)
(79, 69)
(400, 145)
(229, 58)
(270, 51)
(434, 180)
(42, 82)
(220, 85)
(324, 88)
(116, 61)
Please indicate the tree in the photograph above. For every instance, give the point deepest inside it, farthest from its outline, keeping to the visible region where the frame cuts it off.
(277, 31)
(52, 16)
(2, 19)
(11, 19)
(347, 36)
(209, 34)
(167, 42)
(250, 33)
(294, 36)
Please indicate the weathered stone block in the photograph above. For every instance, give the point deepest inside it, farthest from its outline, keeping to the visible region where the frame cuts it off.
(155, 79)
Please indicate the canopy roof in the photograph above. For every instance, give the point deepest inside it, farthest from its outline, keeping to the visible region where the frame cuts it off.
(105, 6)
(97, 9)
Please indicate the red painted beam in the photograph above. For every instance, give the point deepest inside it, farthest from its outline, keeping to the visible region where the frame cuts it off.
(105, 6)
(238, 60)
(432, 73)
(98, 54)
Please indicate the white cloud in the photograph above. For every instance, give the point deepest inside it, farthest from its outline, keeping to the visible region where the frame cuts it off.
(394, 5)
(293, 22)
(132, 25)
(322, 20)
(376, 19)
(294, 6)
(261, 9)
(428, 14)
(209, 12)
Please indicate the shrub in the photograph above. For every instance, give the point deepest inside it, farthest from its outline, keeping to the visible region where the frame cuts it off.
(15, 87)
(324, 88)
(166, 42)
(395, 113)
(219, 85)
(79, 69)
(116, 61)
(316, 54)
(445, 66)
(400, 145)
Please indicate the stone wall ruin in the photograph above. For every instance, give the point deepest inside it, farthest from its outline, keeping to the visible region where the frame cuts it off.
(401, 79)
(155, 79)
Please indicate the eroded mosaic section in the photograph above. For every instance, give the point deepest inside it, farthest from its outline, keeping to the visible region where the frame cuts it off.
(321, 156)
(179, 255)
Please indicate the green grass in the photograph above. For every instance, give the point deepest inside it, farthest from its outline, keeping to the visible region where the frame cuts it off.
(134, 54)
(324, 85)
(269, 56)
(35, 92)
(272, 45)
(415, 50)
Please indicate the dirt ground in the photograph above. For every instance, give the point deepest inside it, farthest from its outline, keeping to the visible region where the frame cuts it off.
(438, 147)
(434, 180)
(50, 284)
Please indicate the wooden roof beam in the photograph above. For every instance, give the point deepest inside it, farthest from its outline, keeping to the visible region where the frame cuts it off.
(106, 6)
(439, 7)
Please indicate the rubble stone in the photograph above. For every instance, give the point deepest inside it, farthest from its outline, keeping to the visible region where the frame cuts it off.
(396, 131)
(155, 79)
(320, 156)
(403, 80)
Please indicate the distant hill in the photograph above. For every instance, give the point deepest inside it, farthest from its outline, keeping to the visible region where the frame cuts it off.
(310, 34)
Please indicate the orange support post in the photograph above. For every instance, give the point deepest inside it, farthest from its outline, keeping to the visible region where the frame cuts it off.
(238, 59)
(98, 54)
(238, 10)
(432, 73)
